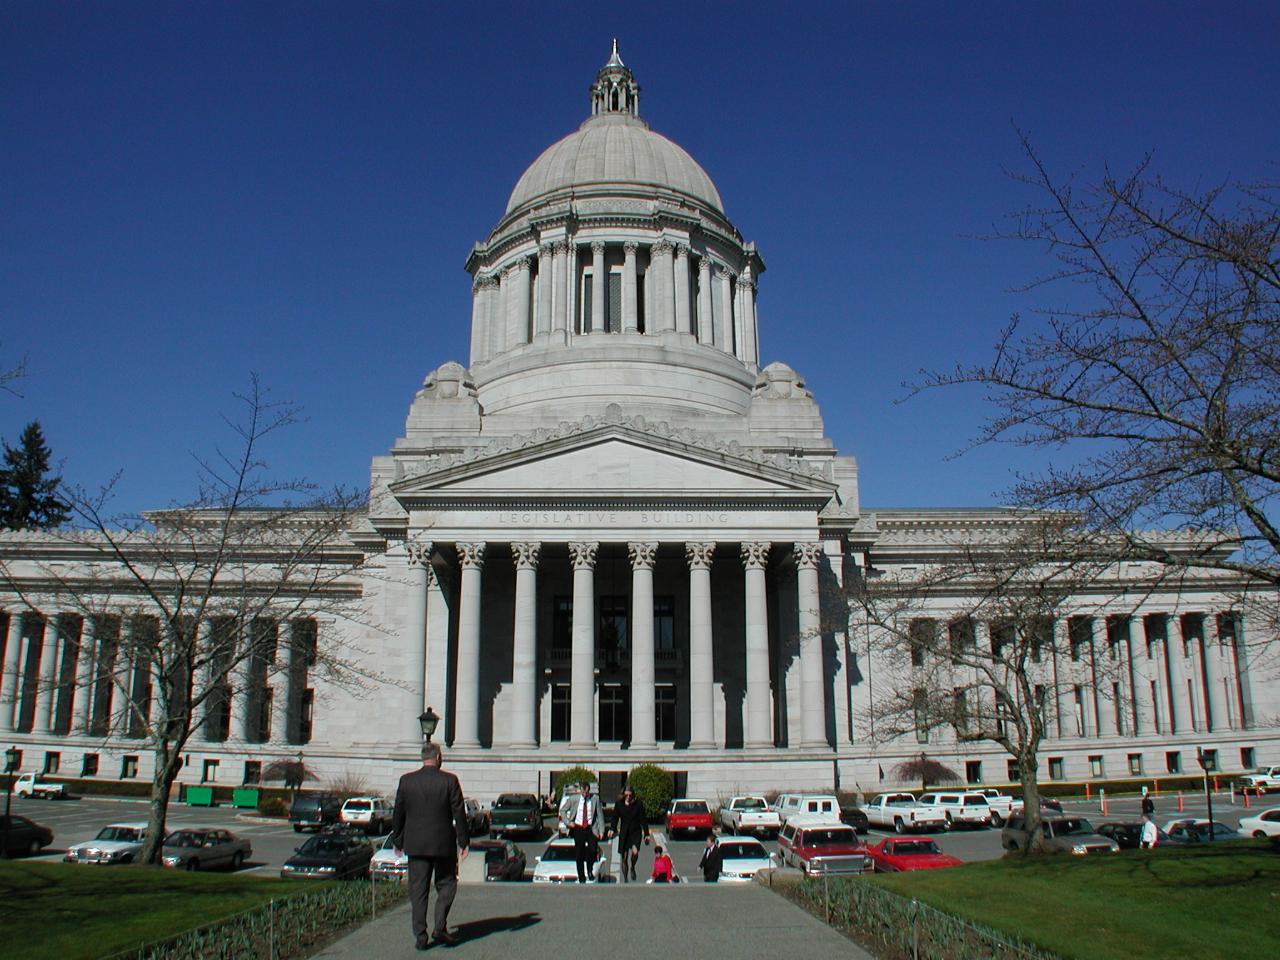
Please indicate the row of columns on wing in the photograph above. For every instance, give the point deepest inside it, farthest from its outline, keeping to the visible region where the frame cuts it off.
(70, 674)
(602, 287)
(759, 713)
(1098, 679)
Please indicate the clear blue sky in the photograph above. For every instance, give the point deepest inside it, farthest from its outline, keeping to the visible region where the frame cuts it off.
(193, 191)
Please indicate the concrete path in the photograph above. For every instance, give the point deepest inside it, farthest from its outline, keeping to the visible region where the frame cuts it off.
(505, 921)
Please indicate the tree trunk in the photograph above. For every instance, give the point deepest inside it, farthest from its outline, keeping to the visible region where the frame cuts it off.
(168, 761)
(1031, 802)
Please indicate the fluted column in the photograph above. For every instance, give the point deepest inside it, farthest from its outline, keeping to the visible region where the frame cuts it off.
(661, 265)
(747, 299)
(466, 695)
(643, 724)
(630, 313)
(47, 690)
(437, 679)
(813, 727)
(294, 682)
(495, 314)
(1215, 692)
(599, 281)
(701, 679)
(524, 666)
(86, 679)
(727, 340)
(684, 321)
(582, 729)
(11, 696)
(518, 305)
(479, 329)
(418, 558)
(759, 725)
(542, 317)
(560, 279)
(1061, 644)
(242, 674)
(706, 322)
(1177, 683)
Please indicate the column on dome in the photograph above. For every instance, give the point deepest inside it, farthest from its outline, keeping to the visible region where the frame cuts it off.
(524, 665)
(759, 719)
(418, 559)
(630, 305)
(82, 698)
(582, 656)
(599, 286)
(701, 681)
(661, 265)
(479, 331)
(436, 683)
(706, 322)
(747, 301)
(684, 321)
(518, 304)
(542, 318)
(560, 280)
(11, 693)
(496, 314)
(727, 342)
(466, 696)
(813, 726)
(643, 726)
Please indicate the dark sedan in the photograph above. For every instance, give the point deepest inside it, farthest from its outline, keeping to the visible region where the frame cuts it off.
(855, 817)
(329, 856)
(503, 860)
(24, 836)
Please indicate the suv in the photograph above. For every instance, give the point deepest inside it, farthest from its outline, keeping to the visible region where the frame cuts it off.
(822, 847)
(313, 811)
(1061, 835)
(372, 813)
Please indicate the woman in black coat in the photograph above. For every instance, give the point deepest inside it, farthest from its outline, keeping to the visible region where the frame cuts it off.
(631, 827)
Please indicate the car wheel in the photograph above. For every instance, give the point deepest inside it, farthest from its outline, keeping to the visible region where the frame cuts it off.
(1259, 835)
(193, 864)
(297, 828)
(899, 826)
(33, 849)
(996, 819)
(237, 860)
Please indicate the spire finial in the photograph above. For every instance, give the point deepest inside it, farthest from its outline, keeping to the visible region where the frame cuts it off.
(614, 59)
(615, 89)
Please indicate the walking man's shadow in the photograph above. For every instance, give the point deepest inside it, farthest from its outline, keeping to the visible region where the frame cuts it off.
(478, 929)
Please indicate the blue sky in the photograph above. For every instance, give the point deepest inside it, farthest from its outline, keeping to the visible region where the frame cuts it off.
(193, 191)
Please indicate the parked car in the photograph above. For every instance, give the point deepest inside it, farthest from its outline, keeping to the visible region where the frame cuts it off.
(1191, 830)
(477, 817)
(749, 815)
(807, 805)
(115, 843)
(503, 860)
(742, 857)
(1263, 778)
(516, 813)
(373, 814)
(196, 849)
(856, 817)
(558, 864)
(313, 811)
(387, 863)
(1265, 824)
(902, 812)
(822, 847)
(1061, 835)
(24, 836)
(689, 816)
(1002, 805)
(898, 854)
(33, 785)
(960, 807)
(330, 854)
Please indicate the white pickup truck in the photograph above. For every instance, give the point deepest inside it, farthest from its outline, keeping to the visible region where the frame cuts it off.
(30, 785)
(1002, 805)
(901, 812)
(743, 816)
(1263, 778)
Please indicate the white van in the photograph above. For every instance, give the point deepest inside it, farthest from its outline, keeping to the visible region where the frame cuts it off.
(815, 806)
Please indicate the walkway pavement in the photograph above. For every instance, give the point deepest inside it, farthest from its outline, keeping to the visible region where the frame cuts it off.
(506, 921)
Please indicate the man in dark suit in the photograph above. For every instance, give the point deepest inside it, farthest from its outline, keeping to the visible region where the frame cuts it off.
(430, 825)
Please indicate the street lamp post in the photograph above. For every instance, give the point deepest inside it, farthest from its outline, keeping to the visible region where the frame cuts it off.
(1205, 764)
(10, 767)
(428, 721)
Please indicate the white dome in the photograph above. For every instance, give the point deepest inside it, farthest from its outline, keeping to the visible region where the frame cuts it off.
(615, 149)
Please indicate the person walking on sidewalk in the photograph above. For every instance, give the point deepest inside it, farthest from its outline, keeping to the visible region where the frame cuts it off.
(429, 824)
(582, 816)
(631, 828)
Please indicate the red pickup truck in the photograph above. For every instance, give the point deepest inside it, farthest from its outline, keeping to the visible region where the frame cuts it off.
(689, 816)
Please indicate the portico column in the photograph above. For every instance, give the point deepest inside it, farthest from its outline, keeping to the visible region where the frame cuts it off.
(436, 683)
(582, 732)
(82, 698)
(542, 321)
(294, 682)
(466, 695)
(813, 727)
(1215, 693)
(725, 280)
(630, 313)
(746, 292)
(1061, 644)
(50, 657)
(560, 287)
(524, 666)
(12, 687)
(1177, 685)
(759, 725)
(642, 644)
(598, 283)
(706, 323)
(683, 320)
(242, 673)
(701, 683)
(418, 558)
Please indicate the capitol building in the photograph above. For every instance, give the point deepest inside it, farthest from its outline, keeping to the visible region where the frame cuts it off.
(615, 535)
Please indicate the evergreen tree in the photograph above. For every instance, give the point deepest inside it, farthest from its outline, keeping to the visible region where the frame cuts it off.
(28, 496)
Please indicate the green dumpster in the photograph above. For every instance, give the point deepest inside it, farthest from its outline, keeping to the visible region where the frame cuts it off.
(244, 797)
(200, 796)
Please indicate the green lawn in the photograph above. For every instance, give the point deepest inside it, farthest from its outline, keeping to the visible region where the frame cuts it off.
(67, 911)
(1216, 901)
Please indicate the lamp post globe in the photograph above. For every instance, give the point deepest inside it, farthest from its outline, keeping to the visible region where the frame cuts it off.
(10, 766)
(428, 721)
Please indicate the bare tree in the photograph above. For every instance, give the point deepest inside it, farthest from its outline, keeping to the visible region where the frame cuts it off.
(925, 769)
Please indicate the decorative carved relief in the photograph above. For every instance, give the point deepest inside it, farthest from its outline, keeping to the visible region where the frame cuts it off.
(777, 381)
(755, 554)
(526, 555)
(472, 554)
(449, 381)
(584, 555)
(700, 555)
(642, 554)
(808, 555)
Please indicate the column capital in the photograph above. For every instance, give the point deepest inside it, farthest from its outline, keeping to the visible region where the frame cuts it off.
(755, 554)
(484, 281)
(546, 249)
(642, 554)
(597, 248)
(560, 246)
(526, 555)
(723, 273)
(744, 283)
(471, 554)
(629, 247)
(584, 555)
(704, 264)
(808, 554)
(418, 552)
(682, 250)
(516, 265)
(700, 555)
(661, 248)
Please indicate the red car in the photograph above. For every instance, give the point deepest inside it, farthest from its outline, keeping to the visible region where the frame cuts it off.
(914, 853)
(822, 848)
(689, 816)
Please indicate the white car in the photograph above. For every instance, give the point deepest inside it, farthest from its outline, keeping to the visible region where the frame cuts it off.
(741, 858)
(387, 864)
(559, 864)
(1265, 824)
(116, 843)
(372, 813)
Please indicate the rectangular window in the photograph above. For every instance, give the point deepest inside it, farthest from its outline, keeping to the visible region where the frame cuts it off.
(664, 624)
(1117, 635)
(128, 768)
(52, 761)
(562, 625)
(922, 716)
(1095, 765)
(1117, 702)
(1057, 769)
(1015, 776)
(559, 712)
(264, 714)
(1208, 761)
(1192, 633)
(585, 315)
(640, 319)
(89, 765)
(664, 695)
(613, 305)
(1041, 637)
(306, 715)
(1078, 696)
(1173, 761)
(1002, 640)
(973, 771)
(1156, 629)
(923, 634)
(1248, 759)
(252, 772)
(210, 772)
(960, 638)
(1080, 633)
(1156, 716)
(1135, 764)
(613, 648)
(615, 713)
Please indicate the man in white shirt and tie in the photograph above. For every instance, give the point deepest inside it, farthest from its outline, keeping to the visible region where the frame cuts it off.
(584, 820)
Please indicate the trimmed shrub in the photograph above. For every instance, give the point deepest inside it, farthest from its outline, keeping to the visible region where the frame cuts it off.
(653, 786)
(574, 775)
(273, 807)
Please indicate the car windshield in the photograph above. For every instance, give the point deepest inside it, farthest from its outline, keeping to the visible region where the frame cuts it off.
(915, 847)
(558, 854)
(827, 838)
(751, 803)
(743, 850)
(691, 806)
(389, 843)
(506, 802)
(1072, 828)
(120, 834)
(322, 845)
